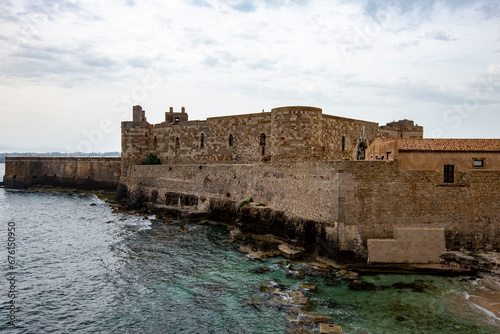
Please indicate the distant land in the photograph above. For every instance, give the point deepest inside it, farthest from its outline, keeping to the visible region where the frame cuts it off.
(57, 154)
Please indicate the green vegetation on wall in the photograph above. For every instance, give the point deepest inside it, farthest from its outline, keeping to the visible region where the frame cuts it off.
(151, 160)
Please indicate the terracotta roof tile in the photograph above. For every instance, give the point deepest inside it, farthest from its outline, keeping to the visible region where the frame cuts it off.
(446, 145)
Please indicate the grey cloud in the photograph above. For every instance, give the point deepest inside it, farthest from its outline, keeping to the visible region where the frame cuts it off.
(404, 45)
(220, 59)
(439, 35)
(243, 5)
(200, 3)
(261, 63)
(424, 8)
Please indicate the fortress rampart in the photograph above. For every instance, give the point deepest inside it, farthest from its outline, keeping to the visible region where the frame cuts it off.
(101, 173)
(337, 205)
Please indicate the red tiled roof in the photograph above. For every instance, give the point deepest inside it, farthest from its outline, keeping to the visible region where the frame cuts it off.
(446, 145)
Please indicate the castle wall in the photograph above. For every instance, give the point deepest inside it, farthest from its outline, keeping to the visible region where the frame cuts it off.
(349, 201)
(334, 128)
(284, 134)
(72, 172)
(135, 143)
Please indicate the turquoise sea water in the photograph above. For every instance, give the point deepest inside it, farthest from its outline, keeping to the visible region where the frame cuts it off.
(82, 269)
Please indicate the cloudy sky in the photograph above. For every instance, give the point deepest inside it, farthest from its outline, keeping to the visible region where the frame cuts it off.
(70, 71)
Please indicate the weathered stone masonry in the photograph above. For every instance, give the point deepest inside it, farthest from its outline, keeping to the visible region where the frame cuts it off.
(284, 134)
(336, 205)
(72, 172)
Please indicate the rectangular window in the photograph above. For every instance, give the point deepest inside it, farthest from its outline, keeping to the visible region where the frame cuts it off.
(448, 173)
(478, 163)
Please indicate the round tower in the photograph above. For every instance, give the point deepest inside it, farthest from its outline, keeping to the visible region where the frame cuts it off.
(296, 133)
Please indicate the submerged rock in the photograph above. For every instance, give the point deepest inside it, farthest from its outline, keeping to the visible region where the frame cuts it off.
(290, 301)
(332, 281)
(348, 275)
(182, 229)
(315, 271)
(259, 255)
(362, 286)
(271, 287)
(415, 287)
(301, 329)
(329, 304)
(254, 300)
(260, 270)
(297, 274)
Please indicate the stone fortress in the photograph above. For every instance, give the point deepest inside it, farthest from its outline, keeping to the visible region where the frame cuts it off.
(332, 183)
(285, 134)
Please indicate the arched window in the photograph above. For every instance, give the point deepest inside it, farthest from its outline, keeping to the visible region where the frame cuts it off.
(342, 144)
(202, 142)
(177, 143)
(262, 139)
(231, 140)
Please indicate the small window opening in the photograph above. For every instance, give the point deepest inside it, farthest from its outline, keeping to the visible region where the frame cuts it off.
(140, 150)
(478, 163)
(231, 140)
(177, 119)
(14, 177)
(262, 140)
(146, 135)
(448, 173)
(342, 145)
(202, 144)
(177, 143)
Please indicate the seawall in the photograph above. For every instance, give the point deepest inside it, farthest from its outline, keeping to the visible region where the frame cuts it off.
(334, 207)
(85, 173)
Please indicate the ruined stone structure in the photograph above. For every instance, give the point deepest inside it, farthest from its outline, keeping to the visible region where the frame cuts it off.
(285, 134)
(71, 172)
